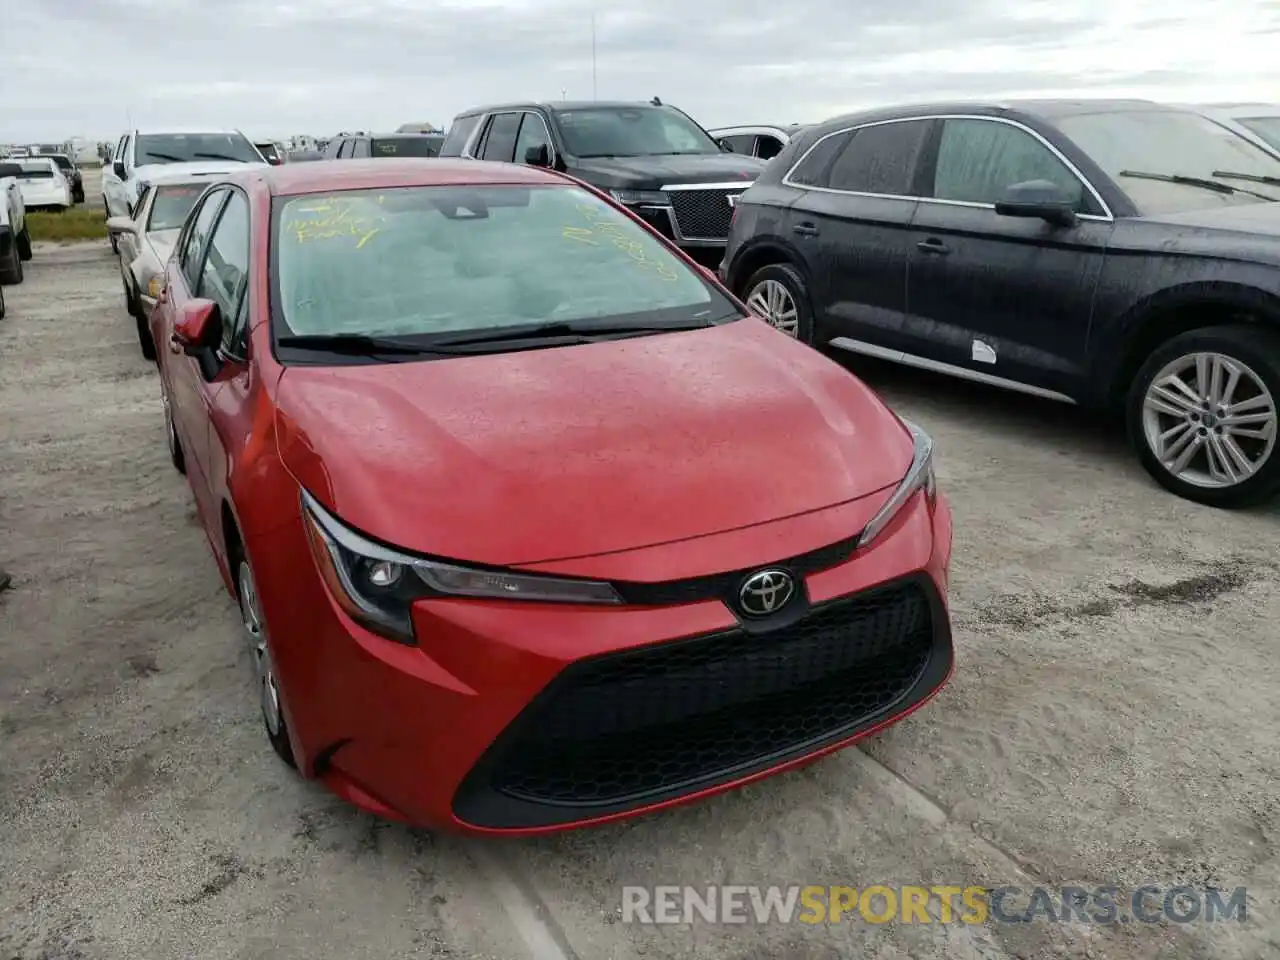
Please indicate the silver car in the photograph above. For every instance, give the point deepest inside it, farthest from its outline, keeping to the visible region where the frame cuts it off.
(145, 241)
(1258, 122)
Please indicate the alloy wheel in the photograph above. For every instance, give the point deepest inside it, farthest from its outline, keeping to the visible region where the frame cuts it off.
(772, 302)
(256, 635)
(1210, 420)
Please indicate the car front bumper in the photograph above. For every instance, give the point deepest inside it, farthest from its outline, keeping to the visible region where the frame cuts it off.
(514, 717)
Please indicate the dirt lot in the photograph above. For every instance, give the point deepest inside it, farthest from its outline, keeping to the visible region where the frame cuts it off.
(1113, 718)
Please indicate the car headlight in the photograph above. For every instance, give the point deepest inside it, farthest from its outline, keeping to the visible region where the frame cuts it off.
(377, 585)
(919, 476)
(634, 198)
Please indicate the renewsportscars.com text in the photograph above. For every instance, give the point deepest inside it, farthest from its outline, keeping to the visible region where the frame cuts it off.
(814, 904)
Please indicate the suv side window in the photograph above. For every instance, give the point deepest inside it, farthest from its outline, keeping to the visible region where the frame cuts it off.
(500, 144)
(740, 143)
(359, 148)
(979, 159)
(815, 167)
(768, 147)
(880, 158)
(533, 133)
(193, 242)
(225, 272)
(457, 136)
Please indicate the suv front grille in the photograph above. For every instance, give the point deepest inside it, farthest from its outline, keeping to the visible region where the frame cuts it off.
(630, 728)
(703, 214)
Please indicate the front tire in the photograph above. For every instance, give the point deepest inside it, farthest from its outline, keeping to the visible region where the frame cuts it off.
(1202, 414)
(779, 295)
(176, 454)
(268, 685)
(24, 244)
(11, 265)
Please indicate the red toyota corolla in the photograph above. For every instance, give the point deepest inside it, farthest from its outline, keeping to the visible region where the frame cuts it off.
(530, 525)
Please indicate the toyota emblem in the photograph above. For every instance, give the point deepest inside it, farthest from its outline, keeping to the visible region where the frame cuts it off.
(766, 592)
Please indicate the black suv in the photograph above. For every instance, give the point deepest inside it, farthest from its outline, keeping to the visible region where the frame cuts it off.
(1117, 254)
(375, 145)
(649, 156)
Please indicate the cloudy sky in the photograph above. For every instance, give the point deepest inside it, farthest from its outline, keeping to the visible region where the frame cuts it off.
(279, 67)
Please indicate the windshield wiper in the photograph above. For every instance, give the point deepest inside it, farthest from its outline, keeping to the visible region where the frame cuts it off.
(165, 156)
(1251, 177)
(355, 344)
(220, 156)
(1202, 182)
(581, 329)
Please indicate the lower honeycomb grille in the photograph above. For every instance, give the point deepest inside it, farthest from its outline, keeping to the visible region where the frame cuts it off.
(623, 728)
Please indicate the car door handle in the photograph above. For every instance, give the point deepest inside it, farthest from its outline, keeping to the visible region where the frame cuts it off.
(933, 245)
(806, 229)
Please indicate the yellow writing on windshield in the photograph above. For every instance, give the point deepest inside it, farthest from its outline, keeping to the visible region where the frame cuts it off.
(334, 217)
(620, 235)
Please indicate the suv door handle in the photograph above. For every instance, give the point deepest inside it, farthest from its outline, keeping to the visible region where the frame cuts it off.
(933, 245)
(806, 229)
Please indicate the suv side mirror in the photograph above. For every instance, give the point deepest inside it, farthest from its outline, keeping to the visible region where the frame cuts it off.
(118, 169)
(1038, 199)
(198, 327)
(725, 146)
(539, 156)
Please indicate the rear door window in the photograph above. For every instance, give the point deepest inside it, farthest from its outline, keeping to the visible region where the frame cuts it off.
(500, 143)
(880, 159)
(768, 147)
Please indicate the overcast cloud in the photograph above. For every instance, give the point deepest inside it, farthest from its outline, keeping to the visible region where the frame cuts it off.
(280, 67)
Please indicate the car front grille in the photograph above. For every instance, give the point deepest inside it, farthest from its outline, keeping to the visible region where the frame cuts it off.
(703, 214)
(631, 728)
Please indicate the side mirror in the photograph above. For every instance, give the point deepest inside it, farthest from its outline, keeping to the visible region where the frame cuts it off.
(10, 170)
(119, 225)
(118, 169)
(198, 327)
(725, 146)
(539, 156)
(1038, 199)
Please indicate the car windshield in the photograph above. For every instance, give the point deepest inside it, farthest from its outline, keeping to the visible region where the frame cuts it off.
(1172, 143)
(631, 131)
(172, 204)
(195, 148)
(416, 146)
(36, 170)
(443, 260)
(64, 163)
(1265, 128)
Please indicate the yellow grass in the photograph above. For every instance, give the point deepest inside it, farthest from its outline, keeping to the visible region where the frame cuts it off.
(78, 223)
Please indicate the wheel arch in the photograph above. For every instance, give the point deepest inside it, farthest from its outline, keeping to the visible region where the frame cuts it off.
(1176, 311)
(762, 253)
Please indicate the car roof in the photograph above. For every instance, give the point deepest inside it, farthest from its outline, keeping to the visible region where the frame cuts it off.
(317, 177)
(560, 105)
(408, 134)
(1050, 110)
(1241, 109)
(181, 131)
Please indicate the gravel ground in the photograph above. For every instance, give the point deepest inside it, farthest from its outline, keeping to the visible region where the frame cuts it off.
(1113, 717)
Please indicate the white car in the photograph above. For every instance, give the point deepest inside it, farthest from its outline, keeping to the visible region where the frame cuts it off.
(139, 154)
(15, 241)
(43, 185)
(145, 241)
(765, 142)
(1257, 122)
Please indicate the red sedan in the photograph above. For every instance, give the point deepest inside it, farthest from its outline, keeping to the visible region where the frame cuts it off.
(531, 526)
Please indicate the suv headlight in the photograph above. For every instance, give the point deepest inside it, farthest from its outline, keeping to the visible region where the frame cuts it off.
(634, 198)
(377, 585)
(919, 476)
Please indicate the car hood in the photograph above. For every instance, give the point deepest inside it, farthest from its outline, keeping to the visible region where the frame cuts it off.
(577, 451)
(1259, 218)
(203, 168)
(650, 173)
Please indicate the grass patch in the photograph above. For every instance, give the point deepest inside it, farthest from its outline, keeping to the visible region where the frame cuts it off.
(78, 223)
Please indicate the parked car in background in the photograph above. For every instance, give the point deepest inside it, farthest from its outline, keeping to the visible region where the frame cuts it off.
(650, 157)
(765, 142)
(719, 555)
(361, 146)
(138, 153)
(71, 171)
(272, 152)
(1259, 122)
(43, 185)
(145, 241)
(1118, 254)
(304, 156)
(15, 240)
